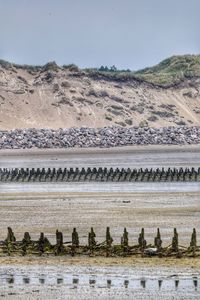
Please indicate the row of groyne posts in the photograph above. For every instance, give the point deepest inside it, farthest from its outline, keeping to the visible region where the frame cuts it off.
(98, 174)
(106, 248)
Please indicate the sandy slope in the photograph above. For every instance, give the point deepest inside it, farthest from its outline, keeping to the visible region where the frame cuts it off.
(62, 98)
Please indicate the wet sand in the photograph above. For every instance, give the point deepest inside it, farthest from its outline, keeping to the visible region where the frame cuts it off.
(180, 266)
(121, 157)
(94, 282)
(48, 207)
(45, 207)
(92, 188)
(48, 212)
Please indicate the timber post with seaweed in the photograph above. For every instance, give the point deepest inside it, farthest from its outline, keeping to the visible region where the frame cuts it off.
(75, 241)
(124, 241)
(91, 239)
(193, 243)
(158, 241)
(26, 242)
(59, 248)
(43, 244)
(10, 240)
(141, 241)
(175, 241)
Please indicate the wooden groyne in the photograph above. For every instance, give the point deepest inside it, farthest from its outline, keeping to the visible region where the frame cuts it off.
(72, 247)
(99, 175)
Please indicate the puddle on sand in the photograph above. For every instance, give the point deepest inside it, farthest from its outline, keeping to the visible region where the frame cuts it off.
(94, 283)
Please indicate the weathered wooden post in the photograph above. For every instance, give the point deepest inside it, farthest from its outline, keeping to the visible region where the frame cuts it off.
(10, 240)
(91, 239)
(158, 241)
(59, 248)
(193, 243)
(124, 241)
(27, 238)
(43, 244)
(25, 242)
(141, 240)
(75, 241)
(75, 238)
(10, 236)
(175, 241)
(109, 241)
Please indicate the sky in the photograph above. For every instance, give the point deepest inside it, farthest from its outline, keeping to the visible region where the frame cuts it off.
(130, 34)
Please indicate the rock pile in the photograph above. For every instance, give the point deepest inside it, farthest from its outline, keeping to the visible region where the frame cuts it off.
(102, 137)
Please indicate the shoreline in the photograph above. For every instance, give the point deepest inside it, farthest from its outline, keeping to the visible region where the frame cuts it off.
(97, 150)
(149, 156)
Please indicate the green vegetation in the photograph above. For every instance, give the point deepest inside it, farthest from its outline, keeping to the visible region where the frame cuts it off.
(168, 72)
(172, 70)
(7, 65)
(111, 69)
(107, 117)
(71, 67)
(111, 73)
(143, 123)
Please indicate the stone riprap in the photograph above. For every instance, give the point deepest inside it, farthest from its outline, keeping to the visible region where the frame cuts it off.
(102, 137)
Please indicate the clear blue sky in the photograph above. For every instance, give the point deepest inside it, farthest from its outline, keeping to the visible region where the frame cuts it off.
(90, 33)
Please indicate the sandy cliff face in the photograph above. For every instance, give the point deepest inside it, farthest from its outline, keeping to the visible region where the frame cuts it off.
(54, 97)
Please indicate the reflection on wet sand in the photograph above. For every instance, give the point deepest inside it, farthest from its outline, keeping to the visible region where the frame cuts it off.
(42, 280)
(126, 282)
(143, 283)
(100, 281)
(195, 282)
(26, 280)
(176, 283)
(75, 282)
(92, 282)
(10, 279)
(109, 282)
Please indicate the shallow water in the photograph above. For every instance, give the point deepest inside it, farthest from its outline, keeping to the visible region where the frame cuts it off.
(43, 282)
